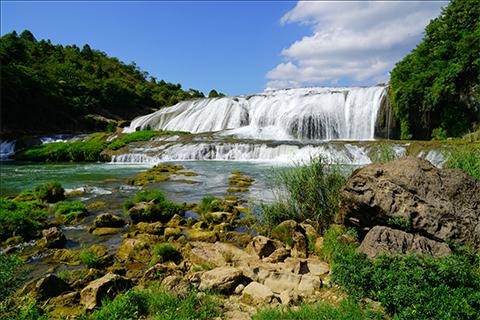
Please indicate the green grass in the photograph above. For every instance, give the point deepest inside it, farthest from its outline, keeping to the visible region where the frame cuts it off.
(50, 192)
(89, 258)
(145, 135)
(158, 210)
(166, 252)
(384, 153)
(345, 310)
(408, 286)
(23, 219)
(467, 158)
(156, 303)
(78, 151)
(71, 211)
(305, 192)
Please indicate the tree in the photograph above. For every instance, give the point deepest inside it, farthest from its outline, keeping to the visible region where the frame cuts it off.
(214, 94)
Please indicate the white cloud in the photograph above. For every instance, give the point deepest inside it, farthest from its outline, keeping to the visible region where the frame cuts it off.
(353, 42)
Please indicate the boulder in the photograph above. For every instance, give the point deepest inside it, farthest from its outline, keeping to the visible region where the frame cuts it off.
(257, 293)
(52, 238)
(150, 228)
(49, 286)
(222, 279)
(440, 204)
(294, 236)
(309, 284)
(261, 246)
(384, 240)
(106, 231)
(200, 235)
(105, 287)
(281, 281)
(279, 255)
(176, 284)
(108, 220)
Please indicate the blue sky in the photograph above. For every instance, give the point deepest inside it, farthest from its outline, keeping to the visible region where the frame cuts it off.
(236, 47)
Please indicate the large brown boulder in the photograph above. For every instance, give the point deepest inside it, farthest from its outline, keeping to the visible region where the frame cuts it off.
(105, 287)
(384, 240)
(411, 193)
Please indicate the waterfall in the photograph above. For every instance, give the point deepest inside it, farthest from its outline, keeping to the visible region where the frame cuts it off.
(7, 149)
(290, 114)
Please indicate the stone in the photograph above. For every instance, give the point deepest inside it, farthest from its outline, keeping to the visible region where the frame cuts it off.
(52, 238)
(256, 293)
(261, 246)
(281, 281)
(105, 287)
(439, 204)
(49, 286)
(136, 212)
(221, 216)
(176, 221)
(204, 253)
(317, 267)
(279, 255)
(108, 220)
(176, 284)
(105, 231)
(222, 279)
(383, 240)
(239, 289)
(133, 249)
(238, 238)
(200, 235)
(158, 272)
(172, 232)
(309, 284)
(150, 228)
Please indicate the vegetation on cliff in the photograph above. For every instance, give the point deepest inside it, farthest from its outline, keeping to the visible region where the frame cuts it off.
(47, 87)
(437, 86)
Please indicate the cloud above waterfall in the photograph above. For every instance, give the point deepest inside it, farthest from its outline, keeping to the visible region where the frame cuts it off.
(352, 43)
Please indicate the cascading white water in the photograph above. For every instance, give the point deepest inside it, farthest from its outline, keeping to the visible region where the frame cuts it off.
(290, 114)
(7, 149)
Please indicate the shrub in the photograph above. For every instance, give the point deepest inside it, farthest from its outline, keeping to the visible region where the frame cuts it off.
(305, 192)
(347, 309)
(166, 252)
(209, 204)
(89, 258)
(439, 134)
(158, 208)
(467, 158)
(9, 274)
(50, 192)
(24, 219)
(411, 286)
(71, 211)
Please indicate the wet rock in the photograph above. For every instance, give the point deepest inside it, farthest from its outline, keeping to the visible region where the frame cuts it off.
(105, 287)
(108, 220)
(383, 240)
(52, 238)
(136, 212)
(156, 228)
(172, 233)
(221, 216)
(105, 231)
(256, 293)
(200, 225)
(261, 246)
(413, 195)
(222, 279)
(176, 221)
(65, 256)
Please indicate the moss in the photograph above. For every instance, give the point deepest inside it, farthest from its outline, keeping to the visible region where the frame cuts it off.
(240, 181)
(50, 192)
(145, 135)
(158, 173)
(237, 190)
(96, 205)
(165, 252)
(71, 211)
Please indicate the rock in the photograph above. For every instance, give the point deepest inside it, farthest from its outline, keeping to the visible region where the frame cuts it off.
(67, 299)
(172, 232)
(281, 281)
(309, 284)
(105, 231)
(199, 235)
(256, 293)
(222, 279)
(317, 267)
(293, 235)
(176, 221)
(108, 220)
(52, 238)
(200, 225)
(49, 286)
(288, 298)
(134, 250)
(105, 287)
(279, 255)
(150, 228)
(221, 216)
(238, 238)
(206, 254)
(65, 256)
(176, 284)
(381, 240)
(440, 204)
(301, 267)
(239, 289)
(159, 271)
(261, 246)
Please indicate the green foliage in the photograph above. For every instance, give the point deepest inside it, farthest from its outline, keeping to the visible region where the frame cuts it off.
(467, 158)
(214, 94)
(384, 153)
(24, 219)
(157, 304)
(472, 136)
(305, 192)
(47, 87)
(64, 151)
(50, 192)
(332, 245)
(345, 310)
(209, 204)
(9, 274)
(166, 252)
(71, 211)
(89, 258)
(139, 136)
(410, 286)
(400, 223)
(439, 134)
(437, 85)
(157, 209)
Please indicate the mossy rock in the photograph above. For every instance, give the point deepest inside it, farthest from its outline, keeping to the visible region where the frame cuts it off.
(155, 228)
(96, 205)
(105, 231)
(65, 256)
(237, 190)
(200, 235)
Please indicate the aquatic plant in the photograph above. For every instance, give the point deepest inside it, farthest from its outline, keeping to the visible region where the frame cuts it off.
(70, 211)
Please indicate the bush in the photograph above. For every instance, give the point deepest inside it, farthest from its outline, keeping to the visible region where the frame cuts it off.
(347, 309)
(465, 157)
(24, 219)
(157, 304)
(166, 252)
(158, 208)
(439, 134)
(89, 258)
(71, 211)
(411, 286)
(305, 192)
(209, 204)
(9, 275)
(50, 192)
